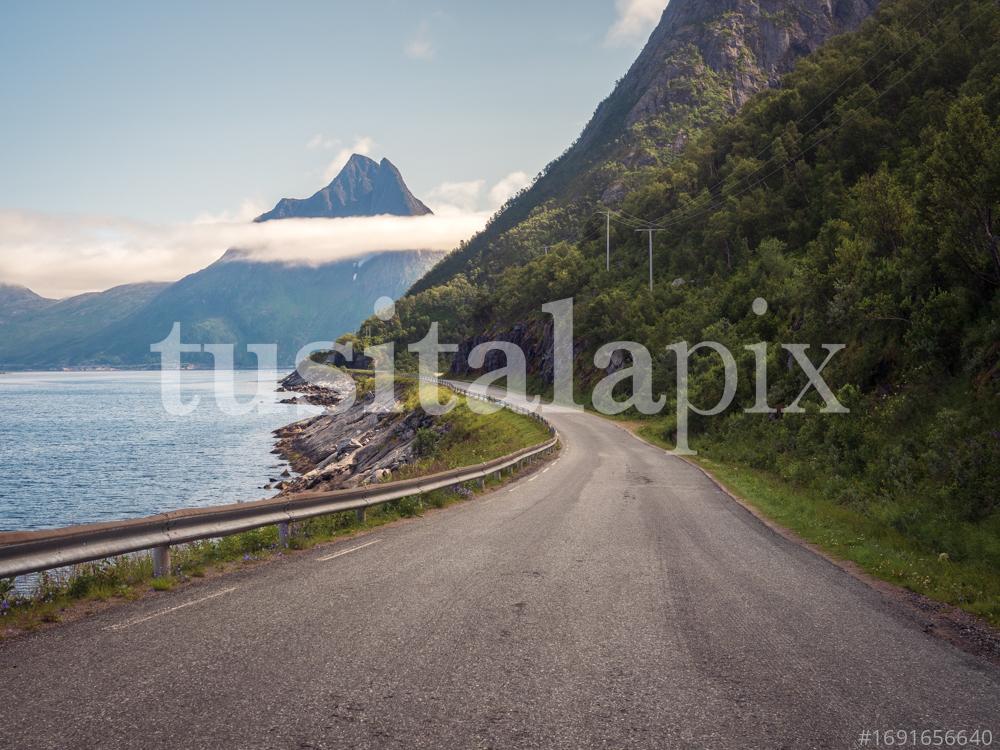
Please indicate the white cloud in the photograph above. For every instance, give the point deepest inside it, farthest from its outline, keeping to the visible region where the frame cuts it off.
(249, 210)
(636, 19)
(59, 256)
(362, 145)
(509, 185)
(449, 197)
(420, 46)
(320, 142)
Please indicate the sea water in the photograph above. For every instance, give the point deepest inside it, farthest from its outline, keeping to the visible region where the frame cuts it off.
(79, 447)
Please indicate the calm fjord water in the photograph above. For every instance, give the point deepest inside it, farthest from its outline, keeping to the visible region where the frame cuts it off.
(83, 447)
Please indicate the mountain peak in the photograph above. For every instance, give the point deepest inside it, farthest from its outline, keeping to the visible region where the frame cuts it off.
(361, 159)
(363, 187)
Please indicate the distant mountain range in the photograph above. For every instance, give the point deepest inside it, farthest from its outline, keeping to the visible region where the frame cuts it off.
(237, 299)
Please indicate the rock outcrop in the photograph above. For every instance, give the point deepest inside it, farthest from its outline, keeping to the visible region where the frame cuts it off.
(537, 342)
(352, 446)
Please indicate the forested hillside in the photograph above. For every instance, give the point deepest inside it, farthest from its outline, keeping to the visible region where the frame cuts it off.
(703, 61)
(862, 201)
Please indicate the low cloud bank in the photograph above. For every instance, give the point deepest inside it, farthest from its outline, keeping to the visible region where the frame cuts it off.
(59, 256)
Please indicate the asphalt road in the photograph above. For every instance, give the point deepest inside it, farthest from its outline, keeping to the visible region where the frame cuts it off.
(616, 599)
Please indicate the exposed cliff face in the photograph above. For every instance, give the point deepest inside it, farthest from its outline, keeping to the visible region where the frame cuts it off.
(712, 52)
(535, 339)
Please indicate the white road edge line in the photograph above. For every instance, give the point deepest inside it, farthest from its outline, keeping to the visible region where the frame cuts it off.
(546, 469)
(348, 551)
(138, 620)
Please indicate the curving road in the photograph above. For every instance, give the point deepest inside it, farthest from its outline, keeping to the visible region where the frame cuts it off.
(615, 599)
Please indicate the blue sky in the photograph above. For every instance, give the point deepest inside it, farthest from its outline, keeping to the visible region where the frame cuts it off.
(169, 112)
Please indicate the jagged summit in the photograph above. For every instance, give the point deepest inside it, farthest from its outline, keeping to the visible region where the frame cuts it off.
(363, 187)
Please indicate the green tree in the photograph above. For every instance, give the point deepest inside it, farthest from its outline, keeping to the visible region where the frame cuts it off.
(965, 187)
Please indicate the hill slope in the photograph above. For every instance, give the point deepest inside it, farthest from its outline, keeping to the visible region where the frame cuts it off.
(16, 301)
(701, 64)
(42, 335)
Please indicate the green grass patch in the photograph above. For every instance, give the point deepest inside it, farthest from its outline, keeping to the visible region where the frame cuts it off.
(463, 437)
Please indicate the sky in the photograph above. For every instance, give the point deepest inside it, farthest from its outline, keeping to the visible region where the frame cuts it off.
(138, 139)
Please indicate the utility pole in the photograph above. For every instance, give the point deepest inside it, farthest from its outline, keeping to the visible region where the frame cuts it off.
(651, 230)
(607, 234)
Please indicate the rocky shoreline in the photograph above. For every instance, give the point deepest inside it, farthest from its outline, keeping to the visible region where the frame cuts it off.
(353, 447)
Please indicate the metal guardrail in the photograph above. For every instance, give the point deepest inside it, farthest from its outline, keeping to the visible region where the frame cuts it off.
(35, 551)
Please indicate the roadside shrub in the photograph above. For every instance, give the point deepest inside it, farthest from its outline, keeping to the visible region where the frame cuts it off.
(426, 442)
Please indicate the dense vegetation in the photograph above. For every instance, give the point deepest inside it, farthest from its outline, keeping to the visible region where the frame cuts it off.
(862, 201)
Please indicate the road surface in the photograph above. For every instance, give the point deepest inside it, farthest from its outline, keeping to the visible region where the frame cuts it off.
(616, 599)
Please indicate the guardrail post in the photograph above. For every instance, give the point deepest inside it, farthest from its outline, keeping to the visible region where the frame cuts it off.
(161, 561)
(362, 515)
(284, 534)
(482, 483)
